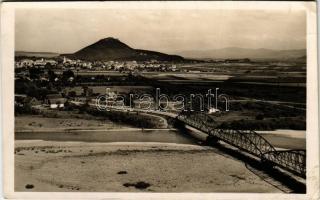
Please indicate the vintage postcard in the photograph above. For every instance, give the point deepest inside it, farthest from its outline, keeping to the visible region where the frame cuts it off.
(160, 100)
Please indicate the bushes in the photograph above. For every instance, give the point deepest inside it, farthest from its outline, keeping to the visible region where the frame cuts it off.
(137, 120)
(30, 89)
(25, 109)
(267, 109)
(260, 117)
(83, 108)
(69, 106)
(267, 124)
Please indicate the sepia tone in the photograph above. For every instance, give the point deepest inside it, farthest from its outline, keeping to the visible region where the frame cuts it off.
(160, 101)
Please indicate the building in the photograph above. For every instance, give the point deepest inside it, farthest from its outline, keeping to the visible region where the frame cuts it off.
(51, 62)
(40, 62)
(213, 110)
(55, 101)
(24, 63)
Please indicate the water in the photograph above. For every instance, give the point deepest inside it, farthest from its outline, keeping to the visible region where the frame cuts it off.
(166, 136)
(287, 141)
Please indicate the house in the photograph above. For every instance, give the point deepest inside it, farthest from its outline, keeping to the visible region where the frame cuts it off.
(55, 101)
(32, 101)
(51, 62)
(25, 63)
(87, 91)
(40, 62)
(213, 110)
(174, 68)
(81, 99)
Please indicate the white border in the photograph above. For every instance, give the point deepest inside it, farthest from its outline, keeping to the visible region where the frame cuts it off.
(7, 78)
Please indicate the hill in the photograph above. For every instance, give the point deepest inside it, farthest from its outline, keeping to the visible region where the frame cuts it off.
(113, 49)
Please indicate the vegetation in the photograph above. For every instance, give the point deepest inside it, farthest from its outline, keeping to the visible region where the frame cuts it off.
(25, 109)
(298, 123)
(135, 119)
(30, 89)
(268, 110)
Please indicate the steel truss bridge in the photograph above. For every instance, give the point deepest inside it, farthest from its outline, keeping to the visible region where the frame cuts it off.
(248, 141)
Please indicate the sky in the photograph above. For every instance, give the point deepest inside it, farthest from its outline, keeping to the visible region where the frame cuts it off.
(168, 31)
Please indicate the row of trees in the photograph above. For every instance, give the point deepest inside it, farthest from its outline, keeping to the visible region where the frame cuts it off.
(135, 119)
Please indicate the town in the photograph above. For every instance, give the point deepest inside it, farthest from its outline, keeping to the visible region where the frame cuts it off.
(119, 66)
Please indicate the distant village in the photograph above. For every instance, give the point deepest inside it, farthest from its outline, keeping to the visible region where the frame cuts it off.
(120, 66)
(47, 83)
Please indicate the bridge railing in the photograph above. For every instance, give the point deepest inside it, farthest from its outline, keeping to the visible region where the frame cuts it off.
(292, 160)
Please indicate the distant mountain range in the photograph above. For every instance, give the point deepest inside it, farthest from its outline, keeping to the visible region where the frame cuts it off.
(113, 49)
(237, 53)
(35, 54)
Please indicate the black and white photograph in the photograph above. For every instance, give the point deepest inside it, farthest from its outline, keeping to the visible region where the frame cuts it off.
(161, 99)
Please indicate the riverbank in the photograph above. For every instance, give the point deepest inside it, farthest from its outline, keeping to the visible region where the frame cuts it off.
(40, 123)
(95, 158)
(130, 167)
(100, 130)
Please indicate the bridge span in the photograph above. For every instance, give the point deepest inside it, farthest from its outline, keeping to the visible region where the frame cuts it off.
(249, 141)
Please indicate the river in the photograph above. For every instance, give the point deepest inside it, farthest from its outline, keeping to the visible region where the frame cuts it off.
(287, 139)
(138, 135)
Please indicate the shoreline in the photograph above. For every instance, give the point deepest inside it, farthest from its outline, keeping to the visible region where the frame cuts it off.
(63, 130)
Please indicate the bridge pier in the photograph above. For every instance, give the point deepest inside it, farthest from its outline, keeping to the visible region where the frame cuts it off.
(266, 164)
(211, 140)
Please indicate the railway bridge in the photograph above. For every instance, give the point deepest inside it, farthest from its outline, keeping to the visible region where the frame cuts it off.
(248, 141)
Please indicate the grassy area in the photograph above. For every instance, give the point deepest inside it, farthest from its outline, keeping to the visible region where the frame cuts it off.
(261, 116)
(38, 123)
(135, 119)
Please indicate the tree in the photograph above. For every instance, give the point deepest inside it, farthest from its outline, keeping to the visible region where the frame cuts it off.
(67, 74)
(83, 108)
(51, 75)
(130, 76)
(34, 73)
(48, 65)
(72, 94)
(259, 117)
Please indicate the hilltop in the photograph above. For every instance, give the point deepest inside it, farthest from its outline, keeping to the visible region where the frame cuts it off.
(113, 49)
